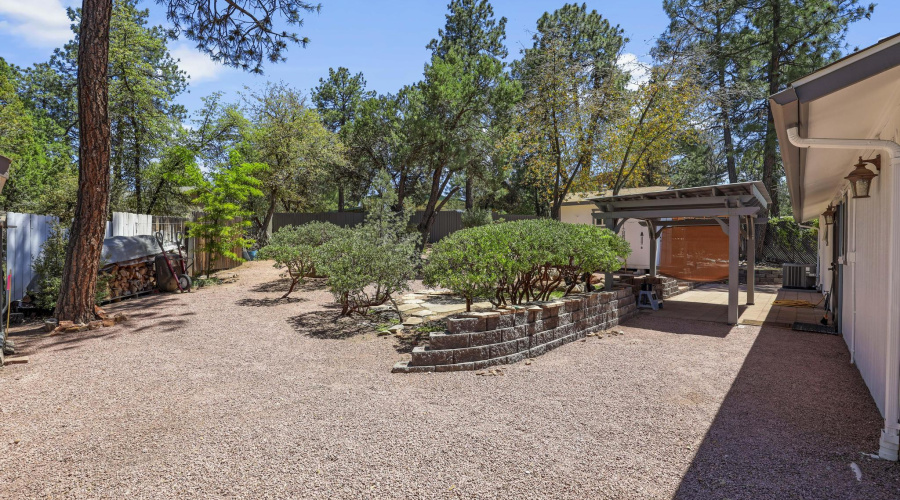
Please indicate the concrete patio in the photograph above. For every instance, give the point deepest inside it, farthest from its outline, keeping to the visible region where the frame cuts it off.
(709, 302)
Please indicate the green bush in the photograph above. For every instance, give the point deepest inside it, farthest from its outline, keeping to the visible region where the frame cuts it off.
(295, 248)
(476, 217)
(48, 268)
(515, 262)
(368, 263)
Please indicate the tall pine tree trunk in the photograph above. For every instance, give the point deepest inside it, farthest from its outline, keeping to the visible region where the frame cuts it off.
(340, 198)
(79, 280)
(770, 160)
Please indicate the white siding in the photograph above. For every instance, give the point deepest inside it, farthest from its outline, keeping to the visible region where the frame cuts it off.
(869, 232)
(577, 214)
(633, 232)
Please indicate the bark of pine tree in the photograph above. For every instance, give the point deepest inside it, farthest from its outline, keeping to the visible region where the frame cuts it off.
(770, 161)
(79, 280)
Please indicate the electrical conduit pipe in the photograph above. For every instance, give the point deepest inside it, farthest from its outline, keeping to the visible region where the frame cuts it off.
(890, 435)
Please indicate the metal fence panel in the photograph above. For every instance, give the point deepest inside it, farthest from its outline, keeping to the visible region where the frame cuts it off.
(342, 219)
(445, 223)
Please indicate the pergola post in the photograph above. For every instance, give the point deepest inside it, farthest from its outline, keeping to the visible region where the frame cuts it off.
(608, 277)
(651, 232)
(734, 240)
(751, 260)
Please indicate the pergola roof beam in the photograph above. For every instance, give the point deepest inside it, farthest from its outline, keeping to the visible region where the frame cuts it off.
(675, 212)
(712, 201)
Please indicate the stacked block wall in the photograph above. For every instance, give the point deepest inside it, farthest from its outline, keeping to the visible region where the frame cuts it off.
(763, 276)
(475, 341)
(664, 286)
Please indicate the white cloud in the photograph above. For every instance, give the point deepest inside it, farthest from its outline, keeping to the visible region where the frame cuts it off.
(37, 22)
(640, 72)
(198, 65)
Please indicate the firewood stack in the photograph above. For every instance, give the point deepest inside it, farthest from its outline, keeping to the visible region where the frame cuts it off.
(129, 278)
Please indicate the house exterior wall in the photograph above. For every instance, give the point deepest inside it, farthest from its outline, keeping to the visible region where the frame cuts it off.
(633, 232)
(865, 305)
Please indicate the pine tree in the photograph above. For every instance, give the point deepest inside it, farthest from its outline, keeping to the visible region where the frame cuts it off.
(212, 26)
(338, 100)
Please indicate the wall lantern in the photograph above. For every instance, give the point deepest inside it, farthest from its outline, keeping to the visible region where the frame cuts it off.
(829, 215)
(861, 177)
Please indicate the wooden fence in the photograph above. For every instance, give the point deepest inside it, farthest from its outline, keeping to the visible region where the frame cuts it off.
(445, 223)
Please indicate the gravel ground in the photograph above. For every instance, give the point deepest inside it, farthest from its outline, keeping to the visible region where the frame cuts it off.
(222, 393)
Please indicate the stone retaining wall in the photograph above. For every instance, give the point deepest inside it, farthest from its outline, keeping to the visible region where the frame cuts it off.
(474, 341)
(664, 286)
(763, 276)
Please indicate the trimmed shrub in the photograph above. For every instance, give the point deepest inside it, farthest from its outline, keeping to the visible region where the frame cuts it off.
(294, 248)
(521, 261)
(368, 263)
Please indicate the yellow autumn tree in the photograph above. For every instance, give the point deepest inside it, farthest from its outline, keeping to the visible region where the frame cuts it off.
(655, 116)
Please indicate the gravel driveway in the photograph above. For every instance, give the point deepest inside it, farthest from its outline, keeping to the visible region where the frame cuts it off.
(217, 394)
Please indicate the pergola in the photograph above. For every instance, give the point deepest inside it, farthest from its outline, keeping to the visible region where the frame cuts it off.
(737, 208)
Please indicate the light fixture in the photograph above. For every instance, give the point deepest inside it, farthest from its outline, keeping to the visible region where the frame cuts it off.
(829, 215)
(861, 177)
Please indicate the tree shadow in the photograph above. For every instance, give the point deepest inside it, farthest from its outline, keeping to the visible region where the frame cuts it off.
(160, 309)
(795, 418)
(268, 302)
(282, 285)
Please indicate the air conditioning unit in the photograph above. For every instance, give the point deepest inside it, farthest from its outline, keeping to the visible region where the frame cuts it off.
(799, 276)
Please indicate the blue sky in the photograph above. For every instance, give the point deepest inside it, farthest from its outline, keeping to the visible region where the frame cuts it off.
(385, 39)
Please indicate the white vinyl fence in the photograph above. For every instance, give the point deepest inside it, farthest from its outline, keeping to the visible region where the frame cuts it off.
(23, 244)
(126, 224)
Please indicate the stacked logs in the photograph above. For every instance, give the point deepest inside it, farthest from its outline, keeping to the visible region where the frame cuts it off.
(129, 278)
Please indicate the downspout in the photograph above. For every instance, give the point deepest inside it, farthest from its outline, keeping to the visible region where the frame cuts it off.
(890, 435)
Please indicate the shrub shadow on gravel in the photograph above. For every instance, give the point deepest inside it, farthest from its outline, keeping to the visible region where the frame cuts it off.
(329, 324)
(283, 284)
(796, 417)
(268, 302)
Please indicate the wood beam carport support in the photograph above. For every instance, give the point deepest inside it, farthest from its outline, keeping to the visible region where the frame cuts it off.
(734, 241)
(653, 234)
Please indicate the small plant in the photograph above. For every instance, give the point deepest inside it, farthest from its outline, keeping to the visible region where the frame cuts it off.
(368, 263)
(294, 248)
(222, 227)
(49, 268)
(475, 217)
